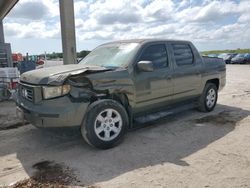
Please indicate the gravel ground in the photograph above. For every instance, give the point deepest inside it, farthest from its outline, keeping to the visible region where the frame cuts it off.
(189, 149)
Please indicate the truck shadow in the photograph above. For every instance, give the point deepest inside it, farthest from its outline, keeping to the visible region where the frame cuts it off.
(168, 140)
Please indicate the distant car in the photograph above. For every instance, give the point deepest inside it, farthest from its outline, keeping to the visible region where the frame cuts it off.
(229, 57)
(238, 59)
(223, 55)
(212, 55)
(247, 58)
(40, 64)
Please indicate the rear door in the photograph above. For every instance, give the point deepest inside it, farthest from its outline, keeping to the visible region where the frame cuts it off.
(153, 88)
(186, 73)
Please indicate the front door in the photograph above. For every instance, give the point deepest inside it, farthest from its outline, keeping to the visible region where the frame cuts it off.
(156, 87)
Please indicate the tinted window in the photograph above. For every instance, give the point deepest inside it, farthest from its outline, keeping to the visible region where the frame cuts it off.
(183, 54)
(157, 54)
(247, 55)
(240, 55)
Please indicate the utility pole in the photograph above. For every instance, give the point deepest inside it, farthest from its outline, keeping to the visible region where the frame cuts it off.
(45, 58)
(68, 31)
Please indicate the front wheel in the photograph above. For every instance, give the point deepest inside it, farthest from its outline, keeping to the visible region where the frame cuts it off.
(105, 124)
(208, 99)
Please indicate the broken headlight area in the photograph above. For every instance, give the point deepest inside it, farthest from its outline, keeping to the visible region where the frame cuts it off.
(77, 87)
(85, 93)
(55, 91)
(78, 81)
(81, 88)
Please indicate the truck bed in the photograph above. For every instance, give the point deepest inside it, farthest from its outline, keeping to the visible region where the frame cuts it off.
(214, 60)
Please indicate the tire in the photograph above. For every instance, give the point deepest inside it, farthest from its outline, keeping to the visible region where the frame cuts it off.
(208, 99)
(105, 124)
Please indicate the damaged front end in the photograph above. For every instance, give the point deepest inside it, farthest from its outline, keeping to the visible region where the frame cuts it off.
(60, 81)
(58, 100)
(82, 89)
(93, 84)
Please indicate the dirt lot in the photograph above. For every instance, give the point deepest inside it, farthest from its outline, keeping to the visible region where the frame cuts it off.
(190, 149)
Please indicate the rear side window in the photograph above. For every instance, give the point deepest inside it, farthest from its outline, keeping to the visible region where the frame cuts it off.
(157, 54)
(183, 54)
(247, 55)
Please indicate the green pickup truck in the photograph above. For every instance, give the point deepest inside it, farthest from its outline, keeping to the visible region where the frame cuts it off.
(116, 84)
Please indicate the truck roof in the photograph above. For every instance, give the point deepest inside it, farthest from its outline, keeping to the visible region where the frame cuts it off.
(143, 41)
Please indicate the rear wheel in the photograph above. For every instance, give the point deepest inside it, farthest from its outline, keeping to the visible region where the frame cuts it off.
(208, 99)
(105, 124)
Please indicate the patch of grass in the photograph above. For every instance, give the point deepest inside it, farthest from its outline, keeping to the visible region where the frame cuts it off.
(240, 51)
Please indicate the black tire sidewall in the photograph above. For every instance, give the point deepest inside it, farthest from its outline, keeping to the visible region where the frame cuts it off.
(87, 128)
(208, 87)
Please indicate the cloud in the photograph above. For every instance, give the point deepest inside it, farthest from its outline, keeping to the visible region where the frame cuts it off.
(80, 7)
(245, 18)
(159, 10)
(30, 10)
(34, 10)
(207, 23)
(122, 17)
(209, 11)
(215, 11)
(244, 9)
(32, 30)
(113, 12)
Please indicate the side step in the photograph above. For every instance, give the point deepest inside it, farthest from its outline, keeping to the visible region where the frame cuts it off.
(163, 113)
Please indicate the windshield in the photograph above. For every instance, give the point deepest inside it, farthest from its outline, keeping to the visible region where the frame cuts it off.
(111, 55)
(222, 55)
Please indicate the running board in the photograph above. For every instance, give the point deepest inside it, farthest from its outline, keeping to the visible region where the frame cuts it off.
(163, 113)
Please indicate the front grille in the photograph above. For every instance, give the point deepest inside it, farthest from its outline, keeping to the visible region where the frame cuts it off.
(27, 92)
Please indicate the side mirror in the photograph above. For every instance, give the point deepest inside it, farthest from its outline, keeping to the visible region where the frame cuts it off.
(145, 66)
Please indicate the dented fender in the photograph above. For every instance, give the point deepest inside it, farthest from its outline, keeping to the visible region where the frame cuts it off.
(103, 84)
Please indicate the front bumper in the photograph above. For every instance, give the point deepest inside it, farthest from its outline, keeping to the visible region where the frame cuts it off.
(57, 112)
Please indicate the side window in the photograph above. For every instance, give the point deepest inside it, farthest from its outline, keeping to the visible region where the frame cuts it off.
(157, 54)
(183, 54)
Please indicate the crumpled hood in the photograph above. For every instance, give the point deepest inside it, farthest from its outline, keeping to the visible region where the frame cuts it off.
(56, 75)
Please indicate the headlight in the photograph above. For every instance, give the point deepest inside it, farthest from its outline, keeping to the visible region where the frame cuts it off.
(55, 91)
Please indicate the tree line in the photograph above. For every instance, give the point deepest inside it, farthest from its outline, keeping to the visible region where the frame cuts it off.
(59, 55)
(238, 51)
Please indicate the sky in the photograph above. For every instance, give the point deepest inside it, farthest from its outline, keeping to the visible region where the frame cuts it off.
(34, 25)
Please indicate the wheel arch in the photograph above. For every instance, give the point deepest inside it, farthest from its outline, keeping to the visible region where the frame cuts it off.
(120, 98)
(215, 81)
(123, 100)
